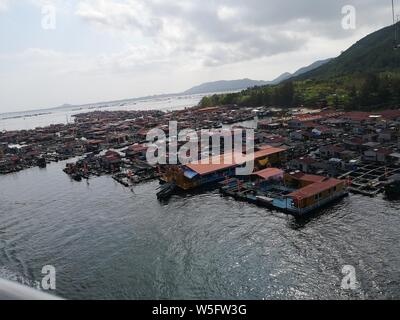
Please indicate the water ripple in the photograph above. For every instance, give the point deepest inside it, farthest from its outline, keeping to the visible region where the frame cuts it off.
(110, 242)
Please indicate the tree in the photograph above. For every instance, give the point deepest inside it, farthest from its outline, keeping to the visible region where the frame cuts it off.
(369, 90)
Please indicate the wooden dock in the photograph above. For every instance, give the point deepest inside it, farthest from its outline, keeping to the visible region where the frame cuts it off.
(369, 179)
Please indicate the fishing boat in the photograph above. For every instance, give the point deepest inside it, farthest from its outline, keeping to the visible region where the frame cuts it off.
(392, 187)
(77, 177)
(166, 191)
(41, 162)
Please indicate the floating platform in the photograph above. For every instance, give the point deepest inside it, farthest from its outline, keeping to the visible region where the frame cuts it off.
(297, 202)
(369, 179)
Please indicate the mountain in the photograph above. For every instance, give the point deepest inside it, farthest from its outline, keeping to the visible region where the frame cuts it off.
(224, 86)
(236, 85)
(373, 54)
(286, 76)
(281, 78)
(365, 77)
(311, 67)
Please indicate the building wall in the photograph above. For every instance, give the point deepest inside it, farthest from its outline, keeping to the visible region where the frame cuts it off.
(298, 183)
(324, 194)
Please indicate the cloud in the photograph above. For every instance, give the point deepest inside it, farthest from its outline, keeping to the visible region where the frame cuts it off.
(226, 31)
(151, 46)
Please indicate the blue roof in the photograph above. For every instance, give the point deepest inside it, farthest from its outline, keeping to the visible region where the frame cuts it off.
(190, 174)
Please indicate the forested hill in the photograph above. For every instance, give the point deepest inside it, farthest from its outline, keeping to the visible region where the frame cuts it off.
(373, 54)
(364, 77)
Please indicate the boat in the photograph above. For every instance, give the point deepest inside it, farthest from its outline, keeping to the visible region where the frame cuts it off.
(166, 191)
(392, 187)
(41, 162)
(77, 177)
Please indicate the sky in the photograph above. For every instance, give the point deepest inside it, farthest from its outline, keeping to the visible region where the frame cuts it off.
(55, 52)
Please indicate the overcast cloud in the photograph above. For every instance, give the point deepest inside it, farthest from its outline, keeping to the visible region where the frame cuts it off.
(105, 49)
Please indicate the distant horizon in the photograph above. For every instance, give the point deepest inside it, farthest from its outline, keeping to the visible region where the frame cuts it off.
(153, 95)
(148, 97)
(66, 105)
(163, 46)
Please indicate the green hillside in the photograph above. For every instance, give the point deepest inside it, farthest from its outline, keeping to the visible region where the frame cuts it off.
(364, 77)
(374, 54)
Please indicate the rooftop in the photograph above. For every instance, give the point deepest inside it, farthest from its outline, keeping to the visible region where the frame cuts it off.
(308, 177)
(268, 173)
(226, 161)
(315, 188)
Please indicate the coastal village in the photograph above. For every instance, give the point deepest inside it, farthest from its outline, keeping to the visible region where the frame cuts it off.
(304, 159)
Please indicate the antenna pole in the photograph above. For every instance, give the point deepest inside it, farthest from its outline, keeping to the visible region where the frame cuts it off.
(394, 20)
(394, 24)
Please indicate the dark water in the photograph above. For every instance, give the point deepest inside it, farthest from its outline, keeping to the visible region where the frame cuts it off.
(109, 242)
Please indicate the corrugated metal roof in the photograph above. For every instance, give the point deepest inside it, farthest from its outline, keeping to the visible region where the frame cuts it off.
(308, 177)
(269, 173)
(230, 160)
(314, 189)
(214, 164)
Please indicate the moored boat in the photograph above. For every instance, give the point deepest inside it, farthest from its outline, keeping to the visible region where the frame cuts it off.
(41, 162)
(392, 187)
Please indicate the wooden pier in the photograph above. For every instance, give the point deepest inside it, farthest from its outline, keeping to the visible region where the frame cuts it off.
(369, 179)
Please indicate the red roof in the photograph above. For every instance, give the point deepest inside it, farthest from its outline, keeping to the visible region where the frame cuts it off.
(267, 151)
(143, 132)
(112, 158)
(317, 116)
(112, 153)
(390, 114)
(384, 151)
(269, 173)
(210, 109)
(230, 160)
(357, 115)
(137, 148)
(211, 165)
(315, 188)
(308, 177)
(95, 141)
(310, 124)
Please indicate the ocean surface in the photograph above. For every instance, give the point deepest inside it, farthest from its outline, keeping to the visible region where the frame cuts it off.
(41, 118)
(111, 242)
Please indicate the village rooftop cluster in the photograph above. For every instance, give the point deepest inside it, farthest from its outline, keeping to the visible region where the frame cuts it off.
(360, 149)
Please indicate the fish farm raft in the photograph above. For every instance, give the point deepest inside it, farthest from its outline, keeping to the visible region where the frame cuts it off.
(304, 159)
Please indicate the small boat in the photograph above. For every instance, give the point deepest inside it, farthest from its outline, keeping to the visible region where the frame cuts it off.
(166, 191)
(41, 162)
(392, 187)
(77, 177)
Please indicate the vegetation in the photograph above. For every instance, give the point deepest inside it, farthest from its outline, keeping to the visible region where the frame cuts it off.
(357, 92)
(365, 77)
